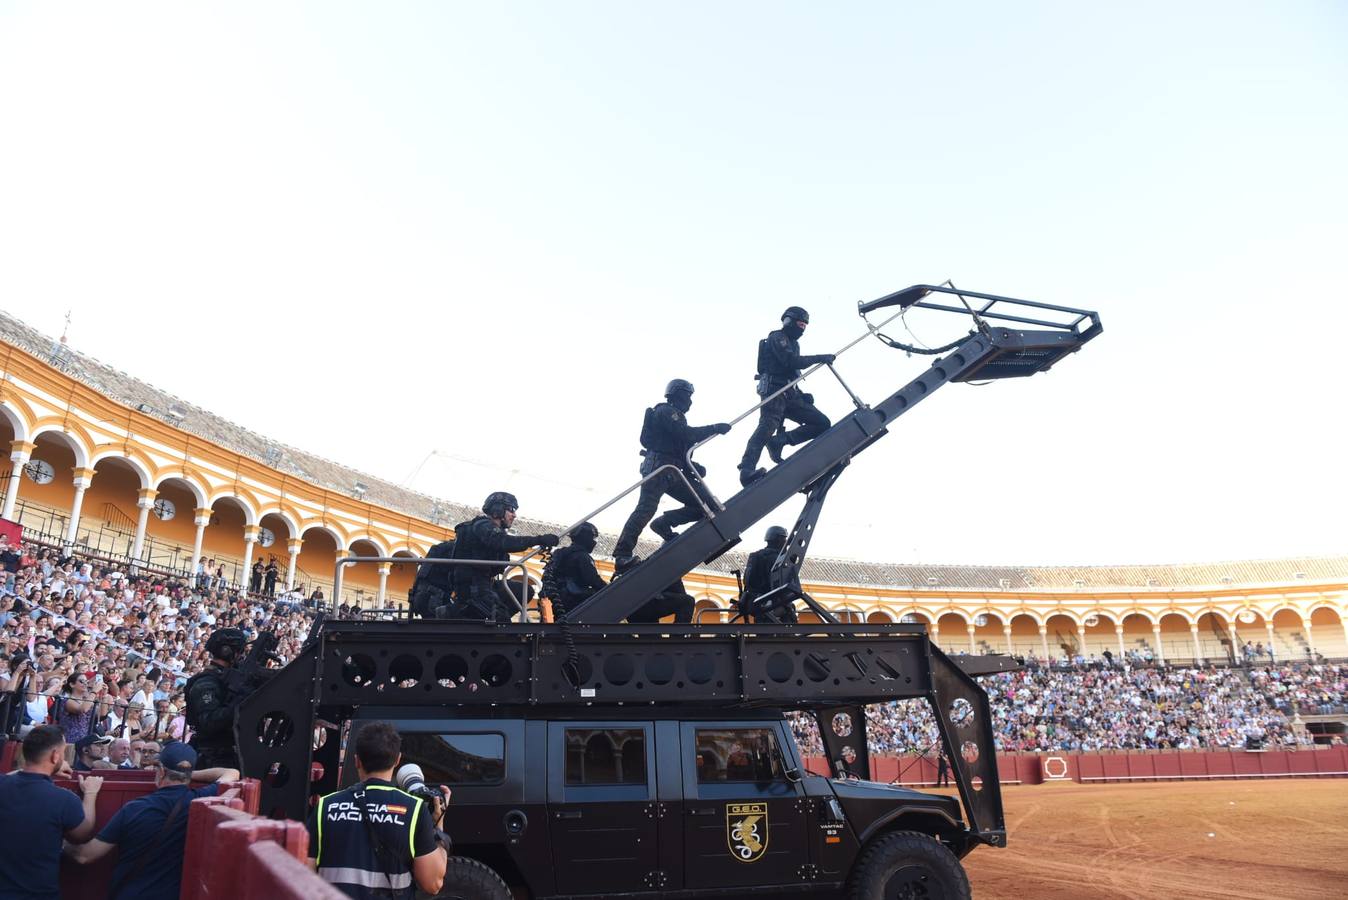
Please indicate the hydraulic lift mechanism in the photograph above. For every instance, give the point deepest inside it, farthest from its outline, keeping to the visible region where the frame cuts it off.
(587, 660)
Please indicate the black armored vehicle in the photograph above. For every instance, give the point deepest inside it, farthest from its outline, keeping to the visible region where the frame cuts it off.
(590, 758)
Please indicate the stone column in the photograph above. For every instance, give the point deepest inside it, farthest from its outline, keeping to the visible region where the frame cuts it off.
(293, 546)
(384, 569)
(1006, 630)
(1118, 630)
(1310, 638)
(1268, 626)
(1043, 639)
(201, 519)
(1156, 639)
(934, 633)
(82, 479)
(250, 533)
(19, 454)
(1198, 647)
(1236, 656)
(144, 502)
(1081, 639)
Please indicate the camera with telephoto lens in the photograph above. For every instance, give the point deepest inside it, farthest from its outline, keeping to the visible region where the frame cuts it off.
(411, 779)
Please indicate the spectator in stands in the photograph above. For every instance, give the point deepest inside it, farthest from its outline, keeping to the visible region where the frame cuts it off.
(365, 857)
(150, 832)
(121, 756)
(269, 576)
(75, 714)
(37, 814)
(91, 752)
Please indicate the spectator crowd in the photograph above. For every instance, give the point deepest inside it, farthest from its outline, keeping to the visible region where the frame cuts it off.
(103, 652)
(1109, 705)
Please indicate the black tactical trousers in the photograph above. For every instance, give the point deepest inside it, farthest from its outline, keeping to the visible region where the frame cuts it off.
(484, 599)
(214, 757)
(667, 482)
(794, 405)
(680, 605)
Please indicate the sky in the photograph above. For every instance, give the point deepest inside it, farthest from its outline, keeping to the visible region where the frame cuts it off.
(463, 246)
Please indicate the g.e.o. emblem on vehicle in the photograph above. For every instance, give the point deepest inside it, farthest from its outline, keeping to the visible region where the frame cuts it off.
(746, 826)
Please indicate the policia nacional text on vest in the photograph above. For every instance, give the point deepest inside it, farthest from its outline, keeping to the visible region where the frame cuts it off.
(367, 836)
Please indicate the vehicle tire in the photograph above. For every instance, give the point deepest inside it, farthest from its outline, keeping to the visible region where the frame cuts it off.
(468, 879)
(906, 865)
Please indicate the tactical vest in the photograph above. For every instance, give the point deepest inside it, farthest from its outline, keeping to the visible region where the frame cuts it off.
(655, 438)
(772, 368)
(466, 546)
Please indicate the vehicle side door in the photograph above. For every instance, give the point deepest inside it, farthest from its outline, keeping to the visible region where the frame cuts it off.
(601, 806)
(744, 820)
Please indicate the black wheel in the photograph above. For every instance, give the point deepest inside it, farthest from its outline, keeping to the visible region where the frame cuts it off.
(468, 879)
(905, 865)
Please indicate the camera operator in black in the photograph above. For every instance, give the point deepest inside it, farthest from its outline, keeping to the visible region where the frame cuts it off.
(431, 589)
(478, 590)
(758, 577)
(375, 840)
(779, 364)
(570, 577)
(673, 600)
(210, 704)
(665, 439)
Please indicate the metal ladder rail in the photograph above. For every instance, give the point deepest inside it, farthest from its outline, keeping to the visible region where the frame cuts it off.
(707, 539)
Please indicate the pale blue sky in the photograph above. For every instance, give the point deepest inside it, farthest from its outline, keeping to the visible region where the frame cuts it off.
(496, 230)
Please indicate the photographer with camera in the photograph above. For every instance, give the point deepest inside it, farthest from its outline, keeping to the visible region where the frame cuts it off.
(375, 839)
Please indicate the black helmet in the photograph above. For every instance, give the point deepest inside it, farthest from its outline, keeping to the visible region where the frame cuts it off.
(226, 643)
(498, 502)
(678, 384)
(585, 535)
(796, 313)
(776, 536)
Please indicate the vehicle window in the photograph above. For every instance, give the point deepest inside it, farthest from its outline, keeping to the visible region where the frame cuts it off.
(738, 754)
(605, 756)
(457, 759)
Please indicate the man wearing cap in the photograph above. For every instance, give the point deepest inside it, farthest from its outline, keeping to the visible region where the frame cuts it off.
(150, 831)
(37, 814)
(779, 364)
(91, 752)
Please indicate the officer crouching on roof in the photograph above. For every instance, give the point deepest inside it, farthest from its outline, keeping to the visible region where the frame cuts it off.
(570, 577)
(478, 591)
(758, 580)
(779, 364)
(375, 840)
(211, 703)
(665, 439)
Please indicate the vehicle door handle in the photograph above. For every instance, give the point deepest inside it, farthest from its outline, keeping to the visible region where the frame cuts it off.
(703, 811)
(568, 814)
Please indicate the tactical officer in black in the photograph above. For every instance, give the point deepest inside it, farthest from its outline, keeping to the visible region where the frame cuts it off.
(211, 703)
(570, 577)
(478, 591)
(673, 600)
(431, 589)
(779, 364)
(758, 578)
(665, 439)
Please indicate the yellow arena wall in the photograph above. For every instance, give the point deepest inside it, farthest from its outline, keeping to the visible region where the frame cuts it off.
(115, 446)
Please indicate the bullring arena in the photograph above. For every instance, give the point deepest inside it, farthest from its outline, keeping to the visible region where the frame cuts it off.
(1177, 732)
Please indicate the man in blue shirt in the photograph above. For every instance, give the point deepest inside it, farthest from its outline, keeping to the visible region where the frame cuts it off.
(151, 831)
(37, 814)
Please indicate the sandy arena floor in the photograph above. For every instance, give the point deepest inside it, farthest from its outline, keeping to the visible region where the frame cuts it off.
(1274, 838)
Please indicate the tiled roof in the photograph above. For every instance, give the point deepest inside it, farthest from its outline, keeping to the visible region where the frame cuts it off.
(124, 388)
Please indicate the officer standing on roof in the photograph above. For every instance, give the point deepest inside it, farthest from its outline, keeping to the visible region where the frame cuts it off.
(431, 589)
(570, 577)
(210, 706)
(665, 439)
(758, 577)
(478, 590)
(779, 364)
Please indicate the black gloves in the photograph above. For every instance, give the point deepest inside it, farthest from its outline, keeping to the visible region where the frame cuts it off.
(546, 540)
(826, 357)
(722, 428)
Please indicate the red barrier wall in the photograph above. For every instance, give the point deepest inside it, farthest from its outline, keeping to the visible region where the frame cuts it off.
(1124, 765)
